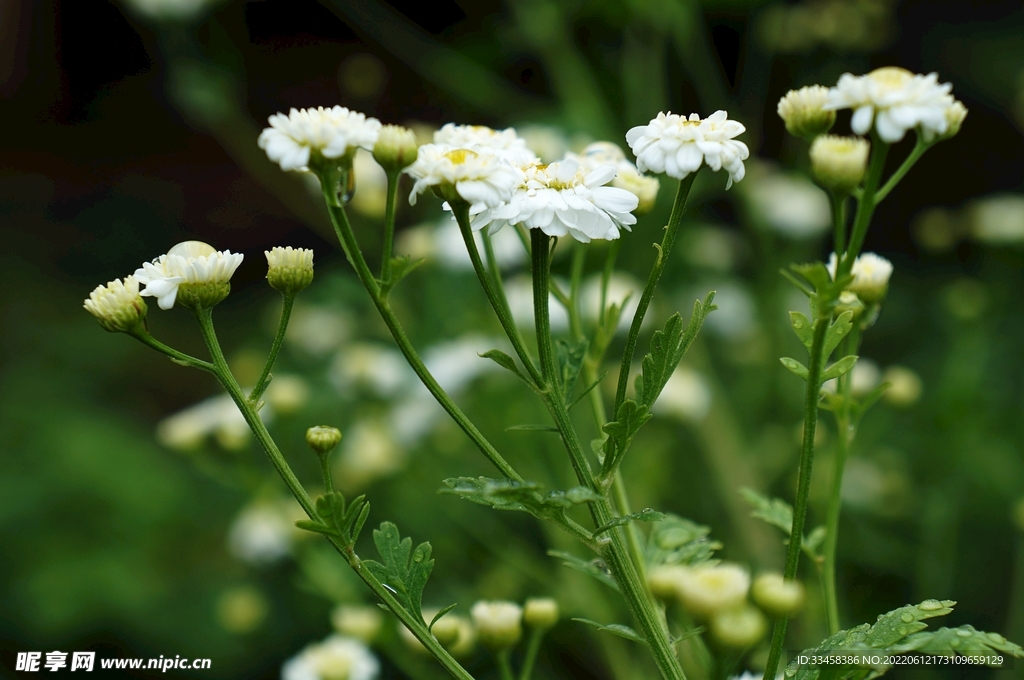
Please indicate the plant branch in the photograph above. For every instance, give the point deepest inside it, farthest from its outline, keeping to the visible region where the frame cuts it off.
(282, 327)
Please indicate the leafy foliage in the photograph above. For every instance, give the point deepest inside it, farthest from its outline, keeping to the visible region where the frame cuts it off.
(667, 349)
(645, 515)
(899, 631)
(615, 629)
(506, 362)
(595, 567)
(338, 518)
(779, 513)
(675, 540)
(401, 266)
(570, 358)
(404, 571)
(503, 494)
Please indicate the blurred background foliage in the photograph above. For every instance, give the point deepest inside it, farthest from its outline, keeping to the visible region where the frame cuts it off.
(133, 126)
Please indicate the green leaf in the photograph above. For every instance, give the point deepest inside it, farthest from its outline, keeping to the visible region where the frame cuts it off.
(836, 332)
(594, 567)
(802, 327)
(503, 494)
(437, 616)
(645, 515)
(965, 640)
(628, 421)
(506, 362)
(795, 366)
(779, 513)
(401, 266)
(587, 390)
(338, 518)
(815, 273)
(570, 359)
(404, 571)
(841, 367)
(615, 629)
(675, 540)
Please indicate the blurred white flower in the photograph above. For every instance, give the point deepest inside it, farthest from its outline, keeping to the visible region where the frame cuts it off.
(187, 263)
(998, 220)
(790, 204)
(506, 144)
(287, 393)
(839, 163)
(368, 452)
(449, 249)
(623, 289)
(711, 588)
(714, 247)
(736, 316)
(217, 415)
(117, 306)
(864, 377)
(478, 176)
(371, 194)
(519, 291)
(894, 100)
(379, 368)
(904, 386)
(871, 274)
(317, 330)
(334, 132)
(498, 623)
(335, 658)
(360, 621)
(261, 533)
(740, 628)
(562, 199)
(686, 396)
(549, 143)
(678, 146)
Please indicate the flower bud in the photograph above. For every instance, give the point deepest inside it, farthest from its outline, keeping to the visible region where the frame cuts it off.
(117, 306)
(362, 622)
(446, 630)
(739, 628)
(540, 612)
(664, 580)
(708, 589)
(498, 623)
(396, 148)
(804, 113)
(776, 595)
(849, 302)
(839, 163)
(645, 188)
(323, 438)
(289, 269)
(904, 386)
(955, 115)
(871, 274)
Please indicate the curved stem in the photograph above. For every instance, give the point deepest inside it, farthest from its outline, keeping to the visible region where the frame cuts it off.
(811, 398)
(389, 226)
(223, 373)
(504, 658)
(355, 257)
(178, 357)
(919, 148)
(865, 205)
(532, 649)
(282, 327)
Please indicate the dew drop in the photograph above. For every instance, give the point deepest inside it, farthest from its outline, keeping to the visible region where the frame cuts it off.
(902, 630)
(790, 672)
(997, 638)
(930, 605)
(963, 633)
(954, 643)
(907, 617)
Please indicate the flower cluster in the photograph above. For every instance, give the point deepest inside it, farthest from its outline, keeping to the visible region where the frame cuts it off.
(335, 657)
(678, 146)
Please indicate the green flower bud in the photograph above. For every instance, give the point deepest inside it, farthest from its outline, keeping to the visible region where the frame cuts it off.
(323, 438)
(203, 295)
(776, 595)
(289, 269)
(904, 386)
(396, 148)
(804, 113)
(738, 628)
(839, 163)
(117, 306)
(540, 612)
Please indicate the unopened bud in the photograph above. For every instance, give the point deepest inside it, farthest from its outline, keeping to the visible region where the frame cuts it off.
(117, 306)
(498, 623)
(396, 148)
(804, 113)
(955, 115)
(540, 612)
(839, 163)
(776, 595)
(849, 302)
(664, 580)
(289, 270)
(708, 589)
(323, 438)
(904, 386)
(738, 628)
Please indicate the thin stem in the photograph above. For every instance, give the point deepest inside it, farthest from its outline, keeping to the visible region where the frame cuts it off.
(223, 373)
(919, 148)
(839, 221)
(865, 205)
(349, 244)
(812, 395)
(461, 211)
(532, 649)
(282, 327)
(389, 226)
(504, 658)
(325, 471)
(492, 265)
(541, 255)
(178, 357)
(674, 220)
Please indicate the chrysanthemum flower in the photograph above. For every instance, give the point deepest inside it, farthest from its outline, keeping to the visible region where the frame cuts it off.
(627, 177)
(117, 306)
(290, 140)
(678, 146)
(839, 163)
(804, 111)
(194, 268)
(335, 657)
(505, 143)
(561, 199)
(871, 274)
(477, 177)
(289, 270)
(894, 100)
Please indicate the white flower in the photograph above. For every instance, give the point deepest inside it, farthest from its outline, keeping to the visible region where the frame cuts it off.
(871, 274)
(261, 533)
(498, 623)
(117, 305)
(190, 262)
(678, 146)
(804, 111)
(380, 369)
(362, 622)
(998, 220)
(289, 270)
(839, 163)
(711, 588)
(623, 290)
(686, 396)
(561, 199)
(478, 177)
(626, 175)
(336, 658)
(368, 452)
(334, 132)
(318, 329)
(904, 386)
(506, 144)
(790, 204)
(217, 415)
(894, 100)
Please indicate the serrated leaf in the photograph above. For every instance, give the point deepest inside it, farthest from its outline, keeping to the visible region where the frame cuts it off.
(675, 540)
(338, 518)
(506, 362)
(316, 527)
(503, 494)
(595, 567)
(404, 571)
(668, 346)
(965, 640)
(437, 616)
(645, 515)
(570, 359)
(839, 368)
(615, 629)
(795, 366)
(815, 273)
(630, 417)
(802, 327)
(836, 332)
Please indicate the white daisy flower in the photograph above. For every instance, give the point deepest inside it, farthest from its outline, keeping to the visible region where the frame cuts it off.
(627, 176)
(332, 133)
(117, 305)
(871, 274)
(505, 143)
(894, 100)
(261, 533)
(804, 112)
(711, 588)
(190, 263)
(678, 146)
(561, 199)
(480, 177)
(335, 658)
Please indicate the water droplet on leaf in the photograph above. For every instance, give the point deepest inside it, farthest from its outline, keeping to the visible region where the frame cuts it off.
(907, 617)
(930, 605)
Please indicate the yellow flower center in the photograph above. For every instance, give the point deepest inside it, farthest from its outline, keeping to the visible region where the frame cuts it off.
(459, 156)
(891, 77)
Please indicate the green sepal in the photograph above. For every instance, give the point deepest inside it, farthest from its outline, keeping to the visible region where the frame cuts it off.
(615, 629)
(404, 571)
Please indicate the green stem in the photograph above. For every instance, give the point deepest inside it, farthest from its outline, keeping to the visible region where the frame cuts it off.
(674, 220)
(811, 397)
(839, 221)
(223, 373)
(178, 357)
(645, 611)
(504, 658)
(532, 649)
(461, 211)
(865, 206)
(355, 257)
(919, 148)
(282, 327)
(325, 470)
(389, 226)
